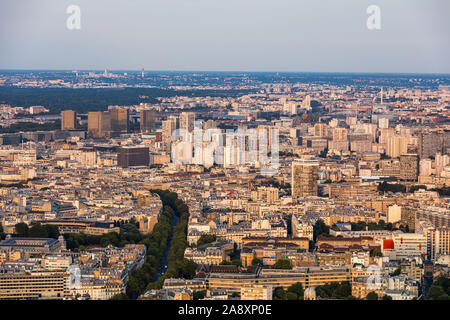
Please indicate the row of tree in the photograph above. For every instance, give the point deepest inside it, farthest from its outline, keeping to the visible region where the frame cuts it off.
(156, 244)
(36, 231)
(178, 266)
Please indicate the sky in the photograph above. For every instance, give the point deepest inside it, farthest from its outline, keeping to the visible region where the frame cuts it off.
(227, 35)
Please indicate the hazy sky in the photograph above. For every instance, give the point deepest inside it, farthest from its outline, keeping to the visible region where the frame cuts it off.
(235, 35)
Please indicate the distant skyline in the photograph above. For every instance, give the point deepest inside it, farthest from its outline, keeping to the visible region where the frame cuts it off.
(226, 71)
(233, 35)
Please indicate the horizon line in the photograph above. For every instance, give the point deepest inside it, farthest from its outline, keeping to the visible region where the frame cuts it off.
(230, 71)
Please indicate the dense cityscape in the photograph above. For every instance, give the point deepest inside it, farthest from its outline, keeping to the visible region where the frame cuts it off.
(125, 185)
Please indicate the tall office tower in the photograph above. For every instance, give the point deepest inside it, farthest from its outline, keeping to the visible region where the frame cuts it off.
(148, 119)
(305, 173)
(340, 140)
(119, 121)
(441, 163)
(396, 146)
(99, 124)
(267, 137)
(133, 157)
(68, 120)
(321, 130)
(433, 142)
(385, 135)
(340, 134)
(426, 167)
(290, 107)
(187, 121)
(383, 123)
(168, 127)
(306, 103)
(409, 166)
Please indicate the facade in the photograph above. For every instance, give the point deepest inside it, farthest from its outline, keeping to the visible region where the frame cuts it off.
(433, 142)
(233, 281)
(33, 245)
(256, 292)
(438, 242)
(68, 120)
(33, 285)
(168, 127)
(301, 229)
(119, 121)
(409, 167)
(147, 120)
(99, 124)
(133, 157)
(187, 121)
(408, 245)
(304, 178)
(209, 256)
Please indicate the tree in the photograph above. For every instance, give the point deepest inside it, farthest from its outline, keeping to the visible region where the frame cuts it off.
(119, 296)
(412, 189)
(187, 269)
(205, 239)
(21, 229)
(279, 294)
(282, 264)
(343, 291)
(320, 228)
(376, 253)
(386, 297)
(291, 296)
(397, 272)
(198, 295)
(440, 290)
(297, 289)
(256, 262)
(323, 153)
(392, 187)
(335, 290)
(236, 262)
(372, 296)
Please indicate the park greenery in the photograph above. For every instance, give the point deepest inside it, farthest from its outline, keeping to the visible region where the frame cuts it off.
(206, 239)
(335, 290)
(282, 264)
(294, 292)
(440, 289)
(391, 187)
(372, 296)
(381, 225)
(23, 126)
